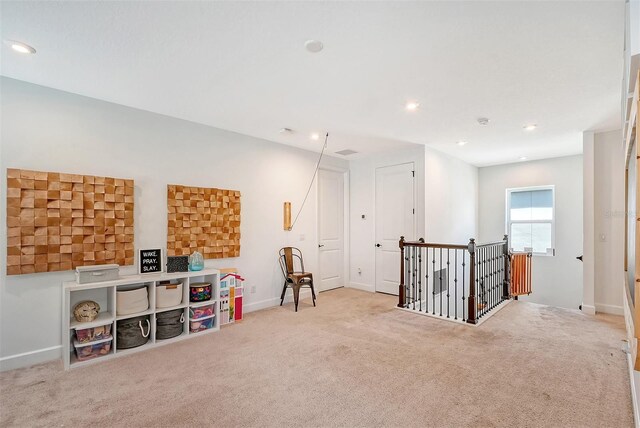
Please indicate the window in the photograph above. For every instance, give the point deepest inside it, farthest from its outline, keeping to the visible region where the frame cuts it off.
(531, 219)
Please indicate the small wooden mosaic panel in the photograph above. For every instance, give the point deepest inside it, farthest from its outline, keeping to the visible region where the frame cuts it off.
(58, 221)
(204, 220)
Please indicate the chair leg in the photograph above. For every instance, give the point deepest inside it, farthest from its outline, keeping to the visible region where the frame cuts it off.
(296, 295)
(313, 291)
(313, 294)
(284, 290)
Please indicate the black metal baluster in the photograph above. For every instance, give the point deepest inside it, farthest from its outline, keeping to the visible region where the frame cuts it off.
(495, 275)
(478, 282)
(406, 282)
(455, 284)
(426, 282)
(491, 278)
(448, 271)
(420, 278)
(440, 286)
(464, 285)
(413, 277)
(434, 282)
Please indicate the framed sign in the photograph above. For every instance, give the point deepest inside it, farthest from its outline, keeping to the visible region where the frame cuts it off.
(150, 261)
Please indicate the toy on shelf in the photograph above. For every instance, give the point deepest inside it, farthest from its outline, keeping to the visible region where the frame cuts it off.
(86, 311)
(231, 293)
(196, 261)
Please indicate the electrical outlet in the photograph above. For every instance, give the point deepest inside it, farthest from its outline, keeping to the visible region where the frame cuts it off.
(253, 289)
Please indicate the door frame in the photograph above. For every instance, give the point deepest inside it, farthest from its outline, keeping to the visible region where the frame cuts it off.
(375, 217)
(345, 220)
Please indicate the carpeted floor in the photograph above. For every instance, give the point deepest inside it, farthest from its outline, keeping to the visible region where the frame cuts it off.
(352, 361)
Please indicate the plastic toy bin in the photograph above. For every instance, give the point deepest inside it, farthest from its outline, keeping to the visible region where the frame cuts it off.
(84, 335)
(201, 312)
(201, 324)
(87, 351)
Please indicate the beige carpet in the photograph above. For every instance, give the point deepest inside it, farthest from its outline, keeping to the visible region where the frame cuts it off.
(352, 361)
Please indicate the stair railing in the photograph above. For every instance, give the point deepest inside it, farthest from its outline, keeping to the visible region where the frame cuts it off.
(454, 280)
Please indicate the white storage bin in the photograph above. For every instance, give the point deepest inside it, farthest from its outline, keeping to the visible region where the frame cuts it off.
(168, 295)
(98, 273)
(132, 301)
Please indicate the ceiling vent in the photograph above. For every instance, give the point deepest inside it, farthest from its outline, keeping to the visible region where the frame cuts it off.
(346, 152)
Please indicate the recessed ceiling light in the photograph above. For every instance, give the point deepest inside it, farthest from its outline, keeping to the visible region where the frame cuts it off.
(523, 158)
(20, 47)
(412, 105)
(530, 127)
(285, 131)
(313, 46)
(483, 121)
(461, 143)
(315, 136)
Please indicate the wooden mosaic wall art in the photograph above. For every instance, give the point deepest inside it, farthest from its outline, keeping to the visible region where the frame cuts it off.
(204, 220)
(56, 221)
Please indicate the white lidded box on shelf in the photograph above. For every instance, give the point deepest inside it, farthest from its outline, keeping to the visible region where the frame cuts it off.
(97, 273)
(132, 299)
(168, 295)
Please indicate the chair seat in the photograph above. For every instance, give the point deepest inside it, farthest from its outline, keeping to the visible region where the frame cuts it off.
(299, 277)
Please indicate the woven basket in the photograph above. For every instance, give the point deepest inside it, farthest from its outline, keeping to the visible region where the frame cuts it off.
(86, 311)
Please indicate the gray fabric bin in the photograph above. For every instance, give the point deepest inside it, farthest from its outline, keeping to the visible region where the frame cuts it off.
(97, 273)
(132, 332)
(169, 324)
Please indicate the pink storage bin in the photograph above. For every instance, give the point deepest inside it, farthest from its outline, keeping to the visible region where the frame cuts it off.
(87, 351)
(201, 312)
(201, 324)
(85, 335)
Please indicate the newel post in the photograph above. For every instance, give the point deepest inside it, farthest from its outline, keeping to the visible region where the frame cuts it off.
(506, 290)
(401, 297)
(471, 318)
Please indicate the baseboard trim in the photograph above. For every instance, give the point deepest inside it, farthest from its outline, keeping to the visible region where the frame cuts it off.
(38, 356)
(30, 358)
(274, 301)
(363, 287)
(609, 309)
(588, 309)
(481, 320)
(634, 380)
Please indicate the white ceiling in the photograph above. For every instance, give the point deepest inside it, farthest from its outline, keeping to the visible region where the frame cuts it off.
(242, 66)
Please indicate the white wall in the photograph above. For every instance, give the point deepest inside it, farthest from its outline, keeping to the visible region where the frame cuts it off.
(362, 233)
(556, 280)
(446, 204)
(48, 130)
(451, 199)
(588, 230)
(609, 163)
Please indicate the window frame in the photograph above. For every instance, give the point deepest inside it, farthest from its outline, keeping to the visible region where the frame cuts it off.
(509, 222)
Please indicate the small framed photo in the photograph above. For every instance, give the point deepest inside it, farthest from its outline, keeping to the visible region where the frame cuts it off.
(150, 261)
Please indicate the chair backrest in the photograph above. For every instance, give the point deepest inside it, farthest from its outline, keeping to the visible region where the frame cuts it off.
(291, 260)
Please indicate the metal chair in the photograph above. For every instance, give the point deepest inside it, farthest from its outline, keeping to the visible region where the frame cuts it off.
(292, 266)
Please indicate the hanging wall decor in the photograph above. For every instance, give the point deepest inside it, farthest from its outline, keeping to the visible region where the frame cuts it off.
(203, 219)
(59, 221)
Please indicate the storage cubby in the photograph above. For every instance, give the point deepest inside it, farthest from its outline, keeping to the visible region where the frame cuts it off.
(106, 295)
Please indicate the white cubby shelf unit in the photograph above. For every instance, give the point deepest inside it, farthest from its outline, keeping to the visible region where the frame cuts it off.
(104, 293)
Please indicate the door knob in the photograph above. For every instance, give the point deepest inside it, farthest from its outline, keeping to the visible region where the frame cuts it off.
(378, 245)
(320, 245)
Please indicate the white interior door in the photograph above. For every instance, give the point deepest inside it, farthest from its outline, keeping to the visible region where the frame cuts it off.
(395, 217)
(331, 229)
